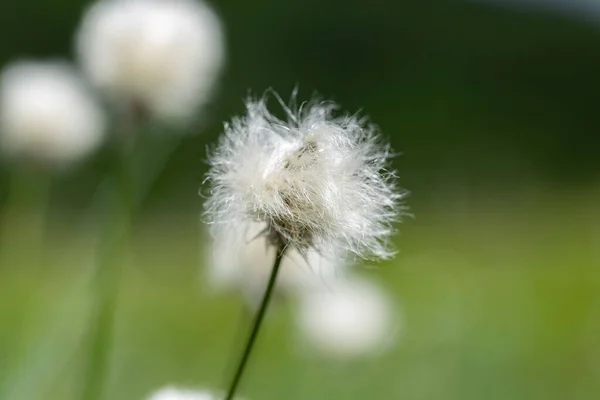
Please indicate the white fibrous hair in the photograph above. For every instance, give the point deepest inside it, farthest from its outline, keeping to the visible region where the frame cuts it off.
(176, 393)
(163, 55)
(318, 181)
(47, 113)
(352, 318)
(243, 261)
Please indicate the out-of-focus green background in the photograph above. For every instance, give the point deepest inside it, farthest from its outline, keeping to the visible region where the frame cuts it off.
(495, 112)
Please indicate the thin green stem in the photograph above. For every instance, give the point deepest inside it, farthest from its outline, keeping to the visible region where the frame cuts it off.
(258, 319)
(106, 281)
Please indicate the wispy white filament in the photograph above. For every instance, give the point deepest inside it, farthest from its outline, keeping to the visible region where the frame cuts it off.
(176, 393)
(243, 260)
(164, 55)
(47, 113)
(317, 180)
(353, 318)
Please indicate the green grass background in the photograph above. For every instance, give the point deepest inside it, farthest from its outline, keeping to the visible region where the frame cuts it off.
(503, 304)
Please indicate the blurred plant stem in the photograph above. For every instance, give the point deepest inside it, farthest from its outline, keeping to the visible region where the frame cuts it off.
(258, 319)
(105, 280)
(24, 217)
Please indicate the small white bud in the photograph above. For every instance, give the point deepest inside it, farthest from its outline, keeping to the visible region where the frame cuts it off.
(244, 258)
(163, 55)
(47, 113)
(176, 393)
(317, 181)
(352, 318)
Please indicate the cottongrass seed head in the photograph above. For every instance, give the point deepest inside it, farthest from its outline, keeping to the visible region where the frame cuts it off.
(161, 55)
(176, 393)
(318, 181)
(47, 113)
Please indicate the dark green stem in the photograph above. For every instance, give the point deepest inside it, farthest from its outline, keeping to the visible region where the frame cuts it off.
(258, 319)
(105, 283)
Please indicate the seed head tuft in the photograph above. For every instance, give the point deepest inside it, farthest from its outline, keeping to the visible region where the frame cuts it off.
(317, 180)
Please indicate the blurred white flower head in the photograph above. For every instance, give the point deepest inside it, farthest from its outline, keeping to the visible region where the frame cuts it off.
(175, 393)
(352, 318)
(163, 55)
(316, 180)
(243, 260)
(47, 114)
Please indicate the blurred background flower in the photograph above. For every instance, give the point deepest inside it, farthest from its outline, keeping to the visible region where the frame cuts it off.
(351, 317)
(162, 56)
(47, 114)
(174, 393)
(242, 260)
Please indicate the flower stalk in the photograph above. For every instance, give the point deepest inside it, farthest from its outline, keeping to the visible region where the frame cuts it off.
(106, 278)
(256, 325)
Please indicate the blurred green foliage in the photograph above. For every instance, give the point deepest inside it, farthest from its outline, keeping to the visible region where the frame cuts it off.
(493, 307)
(475, 97)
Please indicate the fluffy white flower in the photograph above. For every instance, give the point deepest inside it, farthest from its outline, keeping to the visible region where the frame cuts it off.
(47, 113)
(244, 259)
(164, 55)
(352, 318)
(175, 393)
(318, 181)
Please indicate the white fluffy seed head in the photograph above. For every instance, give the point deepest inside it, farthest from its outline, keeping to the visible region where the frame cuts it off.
(352, 318)
(163, 55)
(317, 180)
(243, 259)
(47, 114)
